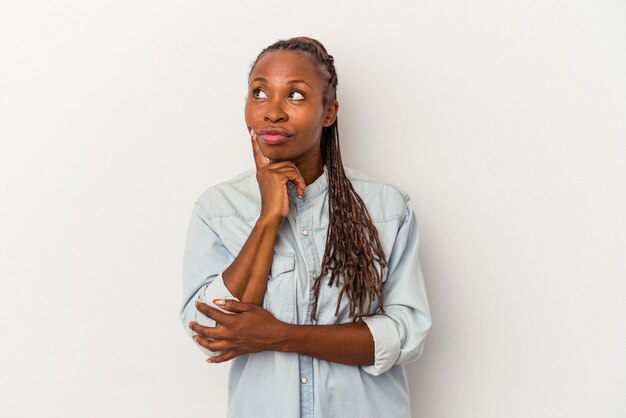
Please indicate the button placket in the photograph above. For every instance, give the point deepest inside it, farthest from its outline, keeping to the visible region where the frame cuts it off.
(303, 234)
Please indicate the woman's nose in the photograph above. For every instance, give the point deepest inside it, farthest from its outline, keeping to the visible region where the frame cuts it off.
(275, 113)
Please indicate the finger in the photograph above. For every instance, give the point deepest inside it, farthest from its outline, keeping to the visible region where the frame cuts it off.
(206, 332)
(294, 176)
(280, 164)
(299, 181)
(229, 355)
(285, 169)
(210, 345)
(284, 166)
(259, 158)
(208, 311)
(233, 305)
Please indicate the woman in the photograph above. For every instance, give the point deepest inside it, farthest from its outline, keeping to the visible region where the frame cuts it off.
(303, 272)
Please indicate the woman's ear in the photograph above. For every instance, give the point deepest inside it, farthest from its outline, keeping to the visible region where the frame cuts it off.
(331, 113)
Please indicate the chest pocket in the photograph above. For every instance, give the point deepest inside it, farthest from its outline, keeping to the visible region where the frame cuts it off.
(329, 297)
(280, 293)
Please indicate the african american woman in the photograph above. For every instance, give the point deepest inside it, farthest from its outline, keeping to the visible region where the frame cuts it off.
(303, 272)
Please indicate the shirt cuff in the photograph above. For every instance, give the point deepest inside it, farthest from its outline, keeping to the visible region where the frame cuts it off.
(386, 343)
(216, 290)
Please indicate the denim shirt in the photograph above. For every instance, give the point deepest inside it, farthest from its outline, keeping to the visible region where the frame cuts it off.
(285, 385)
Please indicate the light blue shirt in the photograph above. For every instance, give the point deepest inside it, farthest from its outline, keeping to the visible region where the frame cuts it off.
(285, 385)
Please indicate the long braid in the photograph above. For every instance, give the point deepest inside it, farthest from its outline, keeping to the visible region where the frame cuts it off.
(353, 249)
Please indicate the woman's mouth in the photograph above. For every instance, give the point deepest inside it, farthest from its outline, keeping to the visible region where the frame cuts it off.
(275, 136)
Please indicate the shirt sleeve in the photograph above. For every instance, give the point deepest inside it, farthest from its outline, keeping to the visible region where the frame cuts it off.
(399, 333)
(204, 260)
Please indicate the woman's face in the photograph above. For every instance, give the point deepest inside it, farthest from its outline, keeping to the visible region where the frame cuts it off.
(285, 107)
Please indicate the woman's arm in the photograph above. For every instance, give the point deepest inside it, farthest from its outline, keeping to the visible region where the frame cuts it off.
(378, 343)
(210, 271)
(246, 277)
(343, 343)
(250, 329)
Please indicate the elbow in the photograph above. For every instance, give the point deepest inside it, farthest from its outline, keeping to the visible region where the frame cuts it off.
(411, 355)
(415, 337)
(398, 339)
(190, 313)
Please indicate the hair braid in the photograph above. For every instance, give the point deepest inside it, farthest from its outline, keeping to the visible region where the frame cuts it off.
(353, 250)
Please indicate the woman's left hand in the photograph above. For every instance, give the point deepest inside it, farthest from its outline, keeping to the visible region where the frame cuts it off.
(249, 329)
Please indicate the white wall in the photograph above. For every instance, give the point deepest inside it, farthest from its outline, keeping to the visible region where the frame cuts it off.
(505, 120)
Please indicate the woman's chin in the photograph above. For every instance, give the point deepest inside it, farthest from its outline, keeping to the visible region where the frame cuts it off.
(275, 157)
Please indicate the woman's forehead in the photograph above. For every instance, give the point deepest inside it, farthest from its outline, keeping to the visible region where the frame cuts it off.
(286, 65)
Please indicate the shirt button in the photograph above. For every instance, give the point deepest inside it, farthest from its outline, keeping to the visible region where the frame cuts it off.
(305, 232)
(304, 380)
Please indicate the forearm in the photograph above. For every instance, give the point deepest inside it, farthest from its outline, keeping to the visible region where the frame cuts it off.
(351, 343)
(246, 277)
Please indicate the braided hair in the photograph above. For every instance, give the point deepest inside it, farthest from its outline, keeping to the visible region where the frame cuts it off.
(353, 248)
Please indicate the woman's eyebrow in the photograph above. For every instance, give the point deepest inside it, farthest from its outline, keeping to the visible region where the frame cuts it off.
(264, 80)
(298, 81)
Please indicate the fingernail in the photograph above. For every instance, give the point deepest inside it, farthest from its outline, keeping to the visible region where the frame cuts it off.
(209, 360)
(191, 324)
(219, 302)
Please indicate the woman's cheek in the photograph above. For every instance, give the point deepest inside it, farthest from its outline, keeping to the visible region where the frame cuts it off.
(250, 113)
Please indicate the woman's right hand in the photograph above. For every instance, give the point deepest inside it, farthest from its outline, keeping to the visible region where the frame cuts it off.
(273, 178)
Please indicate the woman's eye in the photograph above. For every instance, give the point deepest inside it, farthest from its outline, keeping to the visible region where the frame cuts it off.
(296, 95)
(259, 94)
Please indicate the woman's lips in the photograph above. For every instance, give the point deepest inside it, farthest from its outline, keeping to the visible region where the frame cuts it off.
(274, 139)
(274, 136)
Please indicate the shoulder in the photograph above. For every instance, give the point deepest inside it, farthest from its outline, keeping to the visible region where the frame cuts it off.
(384, 201)
(237, 196)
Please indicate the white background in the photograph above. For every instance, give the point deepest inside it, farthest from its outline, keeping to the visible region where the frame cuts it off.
(504, 120)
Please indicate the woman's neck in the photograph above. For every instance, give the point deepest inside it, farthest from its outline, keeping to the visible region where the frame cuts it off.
(310, 170)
